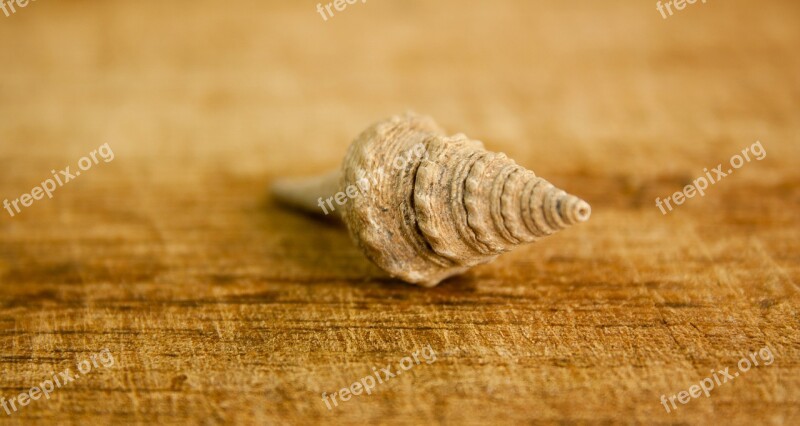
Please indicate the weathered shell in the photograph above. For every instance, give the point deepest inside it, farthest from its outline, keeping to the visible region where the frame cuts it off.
(426, 217)
(456, 207)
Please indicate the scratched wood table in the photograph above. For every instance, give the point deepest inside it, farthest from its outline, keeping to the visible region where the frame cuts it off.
(163, 285)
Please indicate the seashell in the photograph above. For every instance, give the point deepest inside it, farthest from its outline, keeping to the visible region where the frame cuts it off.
(424, 206)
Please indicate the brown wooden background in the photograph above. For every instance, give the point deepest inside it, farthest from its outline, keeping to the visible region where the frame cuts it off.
(220, 307)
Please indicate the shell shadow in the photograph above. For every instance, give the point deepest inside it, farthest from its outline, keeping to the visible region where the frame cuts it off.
(310, 248)
(316, 249)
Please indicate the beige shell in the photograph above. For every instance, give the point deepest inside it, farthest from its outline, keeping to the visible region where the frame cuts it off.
(430, 206)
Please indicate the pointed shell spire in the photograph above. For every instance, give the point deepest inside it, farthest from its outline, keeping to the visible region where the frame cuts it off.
(432, 206)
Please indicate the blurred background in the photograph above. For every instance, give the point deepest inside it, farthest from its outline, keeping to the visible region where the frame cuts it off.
(220, 307)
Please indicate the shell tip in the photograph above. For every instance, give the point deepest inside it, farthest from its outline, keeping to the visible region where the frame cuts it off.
(582, 211)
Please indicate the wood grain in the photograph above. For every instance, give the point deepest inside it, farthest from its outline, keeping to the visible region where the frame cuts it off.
(221, 307)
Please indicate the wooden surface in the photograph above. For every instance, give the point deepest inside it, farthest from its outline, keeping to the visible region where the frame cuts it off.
(220, 307)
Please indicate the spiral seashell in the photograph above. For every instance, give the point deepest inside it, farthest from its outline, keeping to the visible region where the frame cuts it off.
(431, 206)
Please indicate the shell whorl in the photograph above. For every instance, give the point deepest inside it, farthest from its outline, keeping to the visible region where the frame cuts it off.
(434, 205)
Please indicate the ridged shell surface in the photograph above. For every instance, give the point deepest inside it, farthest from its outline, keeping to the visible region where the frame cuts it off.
(433, 206)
